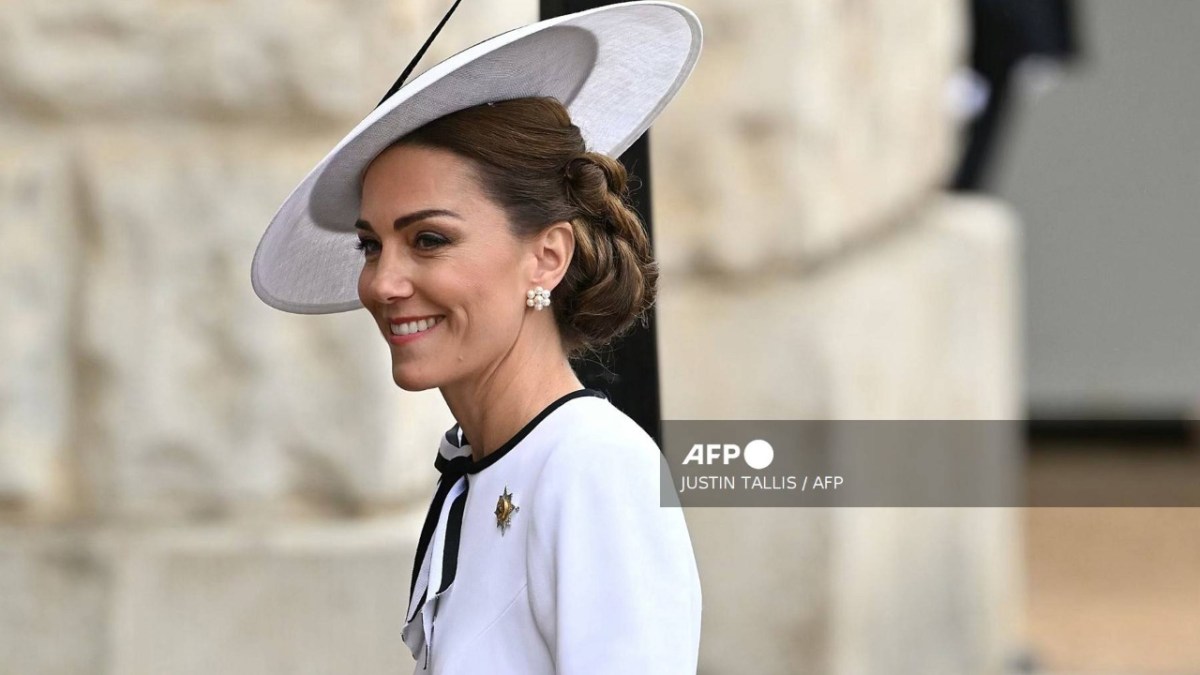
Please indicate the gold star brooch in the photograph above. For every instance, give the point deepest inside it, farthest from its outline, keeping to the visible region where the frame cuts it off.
(505, 510)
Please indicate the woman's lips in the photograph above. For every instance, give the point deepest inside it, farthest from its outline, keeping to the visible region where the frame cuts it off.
(398, 339)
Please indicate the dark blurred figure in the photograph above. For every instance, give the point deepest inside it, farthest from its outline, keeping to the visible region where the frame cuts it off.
(1004, 34)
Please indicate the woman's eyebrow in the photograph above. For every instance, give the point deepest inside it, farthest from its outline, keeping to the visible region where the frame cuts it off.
(405, 221)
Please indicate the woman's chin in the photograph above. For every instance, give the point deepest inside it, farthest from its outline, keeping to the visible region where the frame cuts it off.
(408, 380)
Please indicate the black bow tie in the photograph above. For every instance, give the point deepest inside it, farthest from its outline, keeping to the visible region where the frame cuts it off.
(451, 470)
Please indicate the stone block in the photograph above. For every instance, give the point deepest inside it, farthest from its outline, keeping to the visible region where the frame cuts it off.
(315, 60)
(919, 591)
(806, 126)
(299, 598)
(767, 599)
(921, 324)
(322, 598)
(39, 280)
(57, 588)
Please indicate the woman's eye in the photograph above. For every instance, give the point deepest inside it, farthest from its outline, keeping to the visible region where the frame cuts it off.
(429, 240)
(367, 246)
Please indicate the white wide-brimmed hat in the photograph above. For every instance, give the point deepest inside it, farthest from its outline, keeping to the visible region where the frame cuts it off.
(614, 68)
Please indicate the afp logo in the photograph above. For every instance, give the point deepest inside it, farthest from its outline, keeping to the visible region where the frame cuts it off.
(758, 454)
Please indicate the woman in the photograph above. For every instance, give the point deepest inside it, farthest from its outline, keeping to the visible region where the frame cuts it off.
(493, 244)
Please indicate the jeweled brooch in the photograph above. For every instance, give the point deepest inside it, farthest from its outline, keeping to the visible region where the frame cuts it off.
(505, 510)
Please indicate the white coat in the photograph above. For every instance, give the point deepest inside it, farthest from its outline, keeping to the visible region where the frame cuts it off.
(553, 554)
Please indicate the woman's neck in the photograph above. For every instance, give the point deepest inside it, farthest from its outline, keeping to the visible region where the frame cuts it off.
(493, 407)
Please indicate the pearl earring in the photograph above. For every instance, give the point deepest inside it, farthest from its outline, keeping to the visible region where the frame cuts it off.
(537, 298)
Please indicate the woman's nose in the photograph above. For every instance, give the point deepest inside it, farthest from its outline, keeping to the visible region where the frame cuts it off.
(390, 280)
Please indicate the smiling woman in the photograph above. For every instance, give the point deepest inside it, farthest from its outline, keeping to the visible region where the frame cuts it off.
(488, 204)
(547, 547)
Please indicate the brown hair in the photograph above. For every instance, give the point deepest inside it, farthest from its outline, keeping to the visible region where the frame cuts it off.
(532, 161)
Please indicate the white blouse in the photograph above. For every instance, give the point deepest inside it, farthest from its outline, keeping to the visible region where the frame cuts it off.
(553, 554)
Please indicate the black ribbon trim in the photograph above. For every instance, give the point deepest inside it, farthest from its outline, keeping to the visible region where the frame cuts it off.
(453, 537)
(454, 469)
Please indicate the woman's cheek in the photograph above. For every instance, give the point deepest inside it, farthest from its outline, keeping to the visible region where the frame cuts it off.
(362, 286)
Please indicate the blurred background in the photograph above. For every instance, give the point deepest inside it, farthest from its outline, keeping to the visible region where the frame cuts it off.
(864, 209)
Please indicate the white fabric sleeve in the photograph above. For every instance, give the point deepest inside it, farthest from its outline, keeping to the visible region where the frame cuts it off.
(612, 576)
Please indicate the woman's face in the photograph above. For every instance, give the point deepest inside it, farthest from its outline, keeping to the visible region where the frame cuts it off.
(443, 276)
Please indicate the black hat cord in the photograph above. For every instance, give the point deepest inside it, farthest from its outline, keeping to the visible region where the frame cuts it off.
(413, 64)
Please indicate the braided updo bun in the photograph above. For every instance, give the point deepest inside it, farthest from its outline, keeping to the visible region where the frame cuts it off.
(533, 162)
(613, 273)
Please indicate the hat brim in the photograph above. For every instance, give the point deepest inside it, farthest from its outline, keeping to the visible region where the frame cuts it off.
(614, 68)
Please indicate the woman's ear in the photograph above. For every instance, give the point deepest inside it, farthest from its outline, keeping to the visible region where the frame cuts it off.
(553, 249)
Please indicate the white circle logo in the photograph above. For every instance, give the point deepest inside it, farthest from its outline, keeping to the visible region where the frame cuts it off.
(758, 454)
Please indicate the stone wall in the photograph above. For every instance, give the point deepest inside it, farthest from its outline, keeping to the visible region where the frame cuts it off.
(192, 482)
(815, 270)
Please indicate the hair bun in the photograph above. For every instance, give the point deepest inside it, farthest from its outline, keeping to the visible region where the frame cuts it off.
(593, 180)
